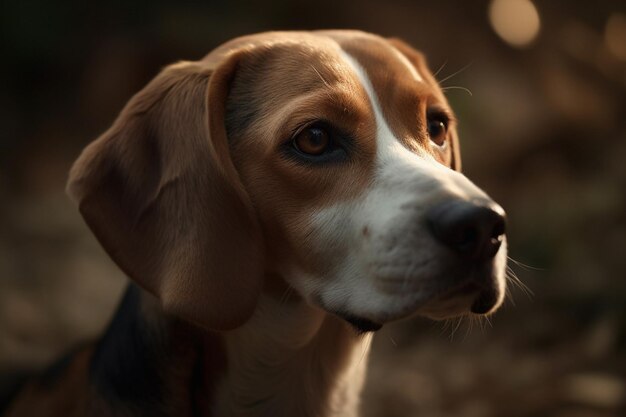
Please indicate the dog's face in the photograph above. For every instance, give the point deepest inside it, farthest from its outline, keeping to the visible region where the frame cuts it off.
(345, 146)
(328, 159)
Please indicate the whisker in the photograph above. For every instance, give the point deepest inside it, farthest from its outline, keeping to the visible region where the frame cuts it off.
(320, 75)
(513, 279)
(440, 68)
(393, 342)
(513, 276)
(509, 296)
(458, 323)
(455, 73)
(478, 320)
(457, 87)
(469, 327)
(323, 80)
(525, 266)
(446, 326)
(517, 285)
(482, 320)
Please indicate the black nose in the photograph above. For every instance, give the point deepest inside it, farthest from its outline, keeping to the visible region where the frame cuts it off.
(472, 229)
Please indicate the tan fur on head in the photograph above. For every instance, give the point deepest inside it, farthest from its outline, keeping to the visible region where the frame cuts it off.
(419, 62)
(198, 192)
(202, 193)
(160, 192)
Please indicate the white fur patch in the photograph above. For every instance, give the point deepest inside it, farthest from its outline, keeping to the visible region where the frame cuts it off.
(391, 265)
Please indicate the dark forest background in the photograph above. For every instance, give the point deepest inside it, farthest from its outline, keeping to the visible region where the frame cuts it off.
(543, 131)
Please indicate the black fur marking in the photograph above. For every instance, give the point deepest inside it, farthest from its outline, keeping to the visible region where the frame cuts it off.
(196, 381)
(127, 362)
(55, 371)
(10, 385)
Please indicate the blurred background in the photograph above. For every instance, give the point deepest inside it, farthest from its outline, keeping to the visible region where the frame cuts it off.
(540, 91)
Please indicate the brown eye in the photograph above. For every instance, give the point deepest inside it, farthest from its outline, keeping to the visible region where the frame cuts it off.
(437, 130)
(312, 141)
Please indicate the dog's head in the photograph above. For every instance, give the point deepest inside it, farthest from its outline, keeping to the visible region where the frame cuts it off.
(326, 159)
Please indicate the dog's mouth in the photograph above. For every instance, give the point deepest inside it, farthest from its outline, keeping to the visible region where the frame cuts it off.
(485, 302)
(467, 298)
(477, 294)
(470, 297)
(359, 324)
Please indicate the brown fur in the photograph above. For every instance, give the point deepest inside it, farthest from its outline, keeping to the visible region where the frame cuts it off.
(159, 187)
(187, 195)
(453, 157)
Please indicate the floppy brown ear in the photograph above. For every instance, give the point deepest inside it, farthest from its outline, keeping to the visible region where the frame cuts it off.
(161, 194)
(419, 62)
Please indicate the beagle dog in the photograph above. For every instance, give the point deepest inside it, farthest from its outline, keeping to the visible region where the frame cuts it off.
(273, 204)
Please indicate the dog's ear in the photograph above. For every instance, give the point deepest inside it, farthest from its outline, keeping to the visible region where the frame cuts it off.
(160, 192)
(418, 60)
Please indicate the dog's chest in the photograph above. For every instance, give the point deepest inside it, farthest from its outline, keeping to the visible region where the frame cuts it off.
(302, 364)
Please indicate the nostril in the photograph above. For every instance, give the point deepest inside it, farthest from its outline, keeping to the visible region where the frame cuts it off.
(499, 227)
(496, 236)
(464, 238)
(475, 231)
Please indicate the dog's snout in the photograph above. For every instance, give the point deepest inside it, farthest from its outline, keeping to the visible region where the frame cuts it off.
(474, 230)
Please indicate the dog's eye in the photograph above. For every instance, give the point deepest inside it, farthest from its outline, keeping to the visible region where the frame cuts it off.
(312, 141)
(318, 143)
(437, 130)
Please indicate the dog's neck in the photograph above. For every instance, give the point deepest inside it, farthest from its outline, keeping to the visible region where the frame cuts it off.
(291, 359)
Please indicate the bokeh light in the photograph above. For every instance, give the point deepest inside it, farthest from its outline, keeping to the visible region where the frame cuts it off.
(615, 35)
(515, 21)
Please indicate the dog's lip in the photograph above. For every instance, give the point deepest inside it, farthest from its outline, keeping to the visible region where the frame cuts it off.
(450, 301)
(481, 299)
(360, 324)
(485, 302)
